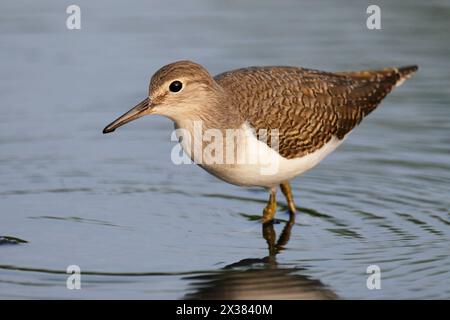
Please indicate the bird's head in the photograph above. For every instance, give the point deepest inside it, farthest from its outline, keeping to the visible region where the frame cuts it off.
(178, 91)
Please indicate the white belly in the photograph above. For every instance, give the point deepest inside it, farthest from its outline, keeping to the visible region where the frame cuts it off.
(259, 165)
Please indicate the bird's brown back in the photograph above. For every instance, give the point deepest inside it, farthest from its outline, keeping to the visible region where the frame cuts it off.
(308, 107)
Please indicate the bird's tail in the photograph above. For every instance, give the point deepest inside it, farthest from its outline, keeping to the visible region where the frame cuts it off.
(377, 84)
(390, 76)
(404, 73)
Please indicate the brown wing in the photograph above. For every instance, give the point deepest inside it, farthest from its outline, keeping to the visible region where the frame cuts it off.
(308, 107)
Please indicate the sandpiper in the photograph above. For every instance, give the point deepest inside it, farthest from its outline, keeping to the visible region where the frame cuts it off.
(311, 111)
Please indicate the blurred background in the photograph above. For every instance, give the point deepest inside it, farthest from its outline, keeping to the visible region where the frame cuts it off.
(140, 227)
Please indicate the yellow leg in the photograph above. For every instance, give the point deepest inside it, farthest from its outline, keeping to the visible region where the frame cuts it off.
(286, 189)
(271, 207)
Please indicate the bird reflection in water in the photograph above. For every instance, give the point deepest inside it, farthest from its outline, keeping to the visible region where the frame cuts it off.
(257, 278)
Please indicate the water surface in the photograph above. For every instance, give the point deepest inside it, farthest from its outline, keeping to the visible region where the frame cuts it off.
(140, 227)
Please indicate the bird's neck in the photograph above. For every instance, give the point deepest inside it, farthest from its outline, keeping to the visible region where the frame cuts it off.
(209, 123)
(219, 113)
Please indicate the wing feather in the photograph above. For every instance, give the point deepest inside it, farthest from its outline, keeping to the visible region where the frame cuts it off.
(308, 107)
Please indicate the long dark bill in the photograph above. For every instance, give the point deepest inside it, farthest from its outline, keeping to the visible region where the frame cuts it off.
(135, 113)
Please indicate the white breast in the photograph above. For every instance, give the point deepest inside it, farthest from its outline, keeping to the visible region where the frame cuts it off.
(259, 165)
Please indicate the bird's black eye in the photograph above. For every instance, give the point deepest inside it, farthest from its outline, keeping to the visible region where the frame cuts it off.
(175, 86)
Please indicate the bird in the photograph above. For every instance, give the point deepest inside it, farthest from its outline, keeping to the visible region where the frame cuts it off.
(287, 118)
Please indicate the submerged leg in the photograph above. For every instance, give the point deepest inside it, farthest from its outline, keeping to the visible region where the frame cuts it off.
(269, 234)
(286, 189)
(271, 207)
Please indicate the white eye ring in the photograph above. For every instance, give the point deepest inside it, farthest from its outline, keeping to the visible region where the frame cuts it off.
(175, 86)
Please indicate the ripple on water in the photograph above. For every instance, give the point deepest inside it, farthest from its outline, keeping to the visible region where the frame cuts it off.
(141, 227)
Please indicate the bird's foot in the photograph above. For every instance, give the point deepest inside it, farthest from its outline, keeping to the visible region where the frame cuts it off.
(287, 191)
(270, 209)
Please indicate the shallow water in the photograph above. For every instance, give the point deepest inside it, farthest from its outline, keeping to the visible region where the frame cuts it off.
(140, 227)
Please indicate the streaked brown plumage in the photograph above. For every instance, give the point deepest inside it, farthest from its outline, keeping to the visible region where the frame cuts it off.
(312, 110)
(308, 107)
